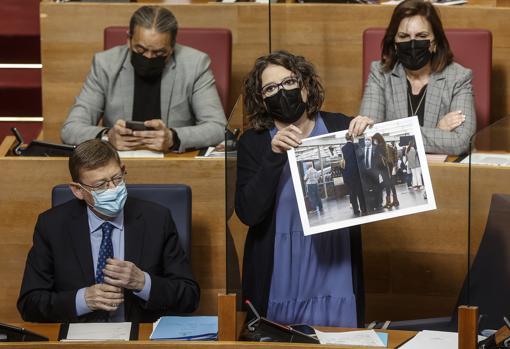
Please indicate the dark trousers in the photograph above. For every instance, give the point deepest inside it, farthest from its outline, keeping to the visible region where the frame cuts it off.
(313, 194)
(356, 197)
(409, 179)
(389, 183)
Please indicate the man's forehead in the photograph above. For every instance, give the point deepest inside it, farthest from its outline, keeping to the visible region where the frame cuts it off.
(150, 38)
(103, 172)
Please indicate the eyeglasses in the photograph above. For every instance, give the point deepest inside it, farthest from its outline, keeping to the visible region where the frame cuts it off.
(103, 185)
(271, 89)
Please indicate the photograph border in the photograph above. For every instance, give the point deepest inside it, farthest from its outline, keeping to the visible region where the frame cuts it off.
(410, 123)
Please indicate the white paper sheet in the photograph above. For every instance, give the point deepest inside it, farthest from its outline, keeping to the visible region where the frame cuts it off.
(434, 339)
(115, 331)
(436, 158)
(488, 159)
(327, 154)
(362, 338)
(444, 3)
(140, 154)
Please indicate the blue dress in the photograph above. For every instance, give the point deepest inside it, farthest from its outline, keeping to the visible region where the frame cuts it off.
(312, 277)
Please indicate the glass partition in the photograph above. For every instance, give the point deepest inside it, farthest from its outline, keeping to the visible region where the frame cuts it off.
(489, 228)
(235, 230)
(413, 266)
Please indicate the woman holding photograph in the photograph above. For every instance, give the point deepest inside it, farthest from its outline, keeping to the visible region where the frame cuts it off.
(416, 76)
(289, 277)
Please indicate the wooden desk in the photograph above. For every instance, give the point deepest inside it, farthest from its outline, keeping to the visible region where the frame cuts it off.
(25, 189)
(395, 339)
(330, 35)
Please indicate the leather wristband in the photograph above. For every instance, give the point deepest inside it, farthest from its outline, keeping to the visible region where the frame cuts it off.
(176, 140)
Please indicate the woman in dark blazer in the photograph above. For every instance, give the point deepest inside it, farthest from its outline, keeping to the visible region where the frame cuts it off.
(289, 277)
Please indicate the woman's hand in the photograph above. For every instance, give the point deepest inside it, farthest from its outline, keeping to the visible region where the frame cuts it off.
(358, 125)
(286, 138)
(451, 121)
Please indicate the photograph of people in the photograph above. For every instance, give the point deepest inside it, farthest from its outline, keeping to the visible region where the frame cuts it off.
(352, 177)
(368, 183)
(291, 278)
(414, 165)
(371, 164)
(417, 76)
(388, 158)
(312, 187)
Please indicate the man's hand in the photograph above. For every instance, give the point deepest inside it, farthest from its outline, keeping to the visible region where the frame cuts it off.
(358, 125)
(451, 121)
(103, 297)
(123, 274)
(159, 139)
(122, 138)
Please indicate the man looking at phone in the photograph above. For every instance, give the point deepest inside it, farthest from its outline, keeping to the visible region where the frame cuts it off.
(167, 86)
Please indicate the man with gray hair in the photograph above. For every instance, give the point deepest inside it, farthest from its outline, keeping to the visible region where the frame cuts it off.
(166, 86)
(105, 256)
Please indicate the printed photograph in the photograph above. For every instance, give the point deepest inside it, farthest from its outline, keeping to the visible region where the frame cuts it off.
(340, 181)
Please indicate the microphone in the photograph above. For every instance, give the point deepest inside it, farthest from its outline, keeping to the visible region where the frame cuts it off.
(250, 326)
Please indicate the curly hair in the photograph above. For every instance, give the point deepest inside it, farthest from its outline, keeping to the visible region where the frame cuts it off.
(410, 8)
(254, 105)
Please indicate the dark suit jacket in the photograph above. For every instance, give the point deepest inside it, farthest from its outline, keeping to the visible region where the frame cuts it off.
(258, 174)
(371, 176)
(60, 262)
(351, 171)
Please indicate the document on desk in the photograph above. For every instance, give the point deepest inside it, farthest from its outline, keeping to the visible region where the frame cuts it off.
(495, 159)
(140, 154)
(434, 339)
(109, 331)
(360, 338)
(185, 328)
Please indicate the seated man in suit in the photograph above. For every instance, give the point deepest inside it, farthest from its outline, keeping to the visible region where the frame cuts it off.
(151, 79)
(105, 256)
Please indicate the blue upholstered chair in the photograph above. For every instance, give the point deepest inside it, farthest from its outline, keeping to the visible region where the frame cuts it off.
(176, 197)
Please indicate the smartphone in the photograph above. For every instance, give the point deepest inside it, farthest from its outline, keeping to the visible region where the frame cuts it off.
(137, 126)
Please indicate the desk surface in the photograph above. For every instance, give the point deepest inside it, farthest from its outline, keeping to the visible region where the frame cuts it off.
(396, 338)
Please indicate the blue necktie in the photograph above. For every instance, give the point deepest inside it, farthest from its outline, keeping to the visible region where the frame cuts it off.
(105, 251)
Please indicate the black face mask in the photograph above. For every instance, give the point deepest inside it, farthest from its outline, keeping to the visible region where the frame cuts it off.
(414, 54)
(147, 67)
(286, 106)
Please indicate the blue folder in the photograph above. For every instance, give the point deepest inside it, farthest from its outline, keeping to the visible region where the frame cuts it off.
(186, 328)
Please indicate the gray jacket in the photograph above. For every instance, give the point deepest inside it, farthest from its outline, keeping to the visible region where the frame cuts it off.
(385, 98)
(189, 100)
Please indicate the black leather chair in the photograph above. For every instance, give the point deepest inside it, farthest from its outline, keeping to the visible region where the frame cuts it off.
(176, 197)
